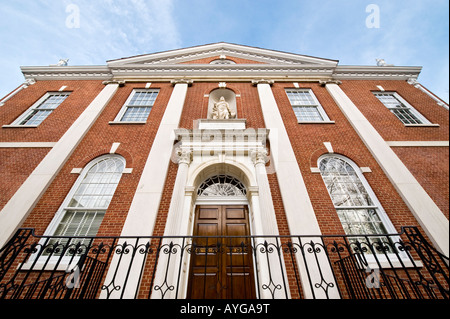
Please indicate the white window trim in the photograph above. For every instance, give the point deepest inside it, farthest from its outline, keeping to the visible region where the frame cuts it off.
(319, 107)
(50, 262)
(25, 114)
(387, 223)
(377, 205)
(119, 116)
(416, 113)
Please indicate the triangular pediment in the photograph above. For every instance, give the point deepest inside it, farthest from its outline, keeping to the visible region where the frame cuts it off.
(222, 51)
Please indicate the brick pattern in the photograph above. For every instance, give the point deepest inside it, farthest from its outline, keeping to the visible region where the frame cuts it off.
(16, 164)
(429, 165)
(232, 58)
(307, 141)
(57, 123)
(136, 141)
(386, 123)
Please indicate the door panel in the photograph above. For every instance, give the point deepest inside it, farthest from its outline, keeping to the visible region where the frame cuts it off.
(221, 267)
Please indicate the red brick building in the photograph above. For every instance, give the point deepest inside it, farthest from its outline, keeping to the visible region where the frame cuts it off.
(223, 171)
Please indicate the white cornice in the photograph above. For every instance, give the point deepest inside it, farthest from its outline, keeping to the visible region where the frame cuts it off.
(225, 71)
(222, 48)
(355, 72)
(279, 66)
(238, 71)
(40, 73)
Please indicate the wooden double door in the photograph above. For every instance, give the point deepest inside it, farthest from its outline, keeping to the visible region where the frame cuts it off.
(221, 267)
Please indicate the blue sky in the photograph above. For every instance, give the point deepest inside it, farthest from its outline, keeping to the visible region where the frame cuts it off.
(410, 33)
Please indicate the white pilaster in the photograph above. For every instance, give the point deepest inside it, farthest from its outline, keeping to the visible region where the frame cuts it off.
(23, 201)
(297, 204)
(169, 264)
(427, 213)
(266, 208)
(313, 267)
(265, 219)
(144, 208)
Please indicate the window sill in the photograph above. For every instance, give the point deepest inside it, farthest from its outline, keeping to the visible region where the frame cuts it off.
(129, 122)
(50, 265)
(316, 122)
(391, 261)
(19, 126)
(422, 125)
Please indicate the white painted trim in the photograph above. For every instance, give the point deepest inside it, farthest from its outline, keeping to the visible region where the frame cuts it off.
(420, 116)
(365, 170)
(328, 147)
(24, 115)
(51, 228)
(118, 118)
(292, 187)
(27, 144)
(114, 148)
(418, 143)
(221, 48)
(419, 86)
(422, 125)
(317, 105)
(144, 208)
(316, 122)
(27, 83)
(26, 197)
(427, 213)
(299, 211)
(373, 197)
(76, 170)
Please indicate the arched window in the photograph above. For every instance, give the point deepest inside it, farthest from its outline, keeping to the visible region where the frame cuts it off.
(357, 206)
(222, 61)
(221, 185)
(84, 207)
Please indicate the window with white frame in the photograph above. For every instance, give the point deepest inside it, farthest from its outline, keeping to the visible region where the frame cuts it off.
(84, 207)
(138, 106)
(358, 209)
(40, 110)
(306, 106)
(402, 109)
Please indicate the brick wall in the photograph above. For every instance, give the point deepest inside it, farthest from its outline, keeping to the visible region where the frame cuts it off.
(136, 141)
(16, 164)
(386, 123)
(307, 141)
(57, 123)
(429, 165)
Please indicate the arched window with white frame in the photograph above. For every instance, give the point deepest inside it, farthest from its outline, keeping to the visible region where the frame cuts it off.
(84, 207)
(356, 204)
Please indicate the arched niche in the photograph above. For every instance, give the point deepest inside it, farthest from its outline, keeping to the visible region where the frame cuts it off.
(214, 97)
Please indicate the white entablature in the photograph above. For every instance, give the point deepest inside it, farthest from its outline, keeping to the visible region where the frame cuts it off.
(222, 49)
(167, 65)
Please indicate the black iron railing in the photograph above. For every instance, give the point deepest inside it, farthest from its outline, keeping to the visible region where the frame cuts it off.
(394, 266)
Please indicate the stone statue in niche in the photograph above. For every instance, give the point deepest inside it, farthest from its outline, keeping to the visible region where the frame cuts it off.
(221, 110)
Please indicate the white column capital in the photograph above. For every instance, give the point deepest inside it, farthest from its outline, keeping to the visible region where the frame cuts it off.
(262, 81)
(259, 156)
(189, 82)
(184, 156)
